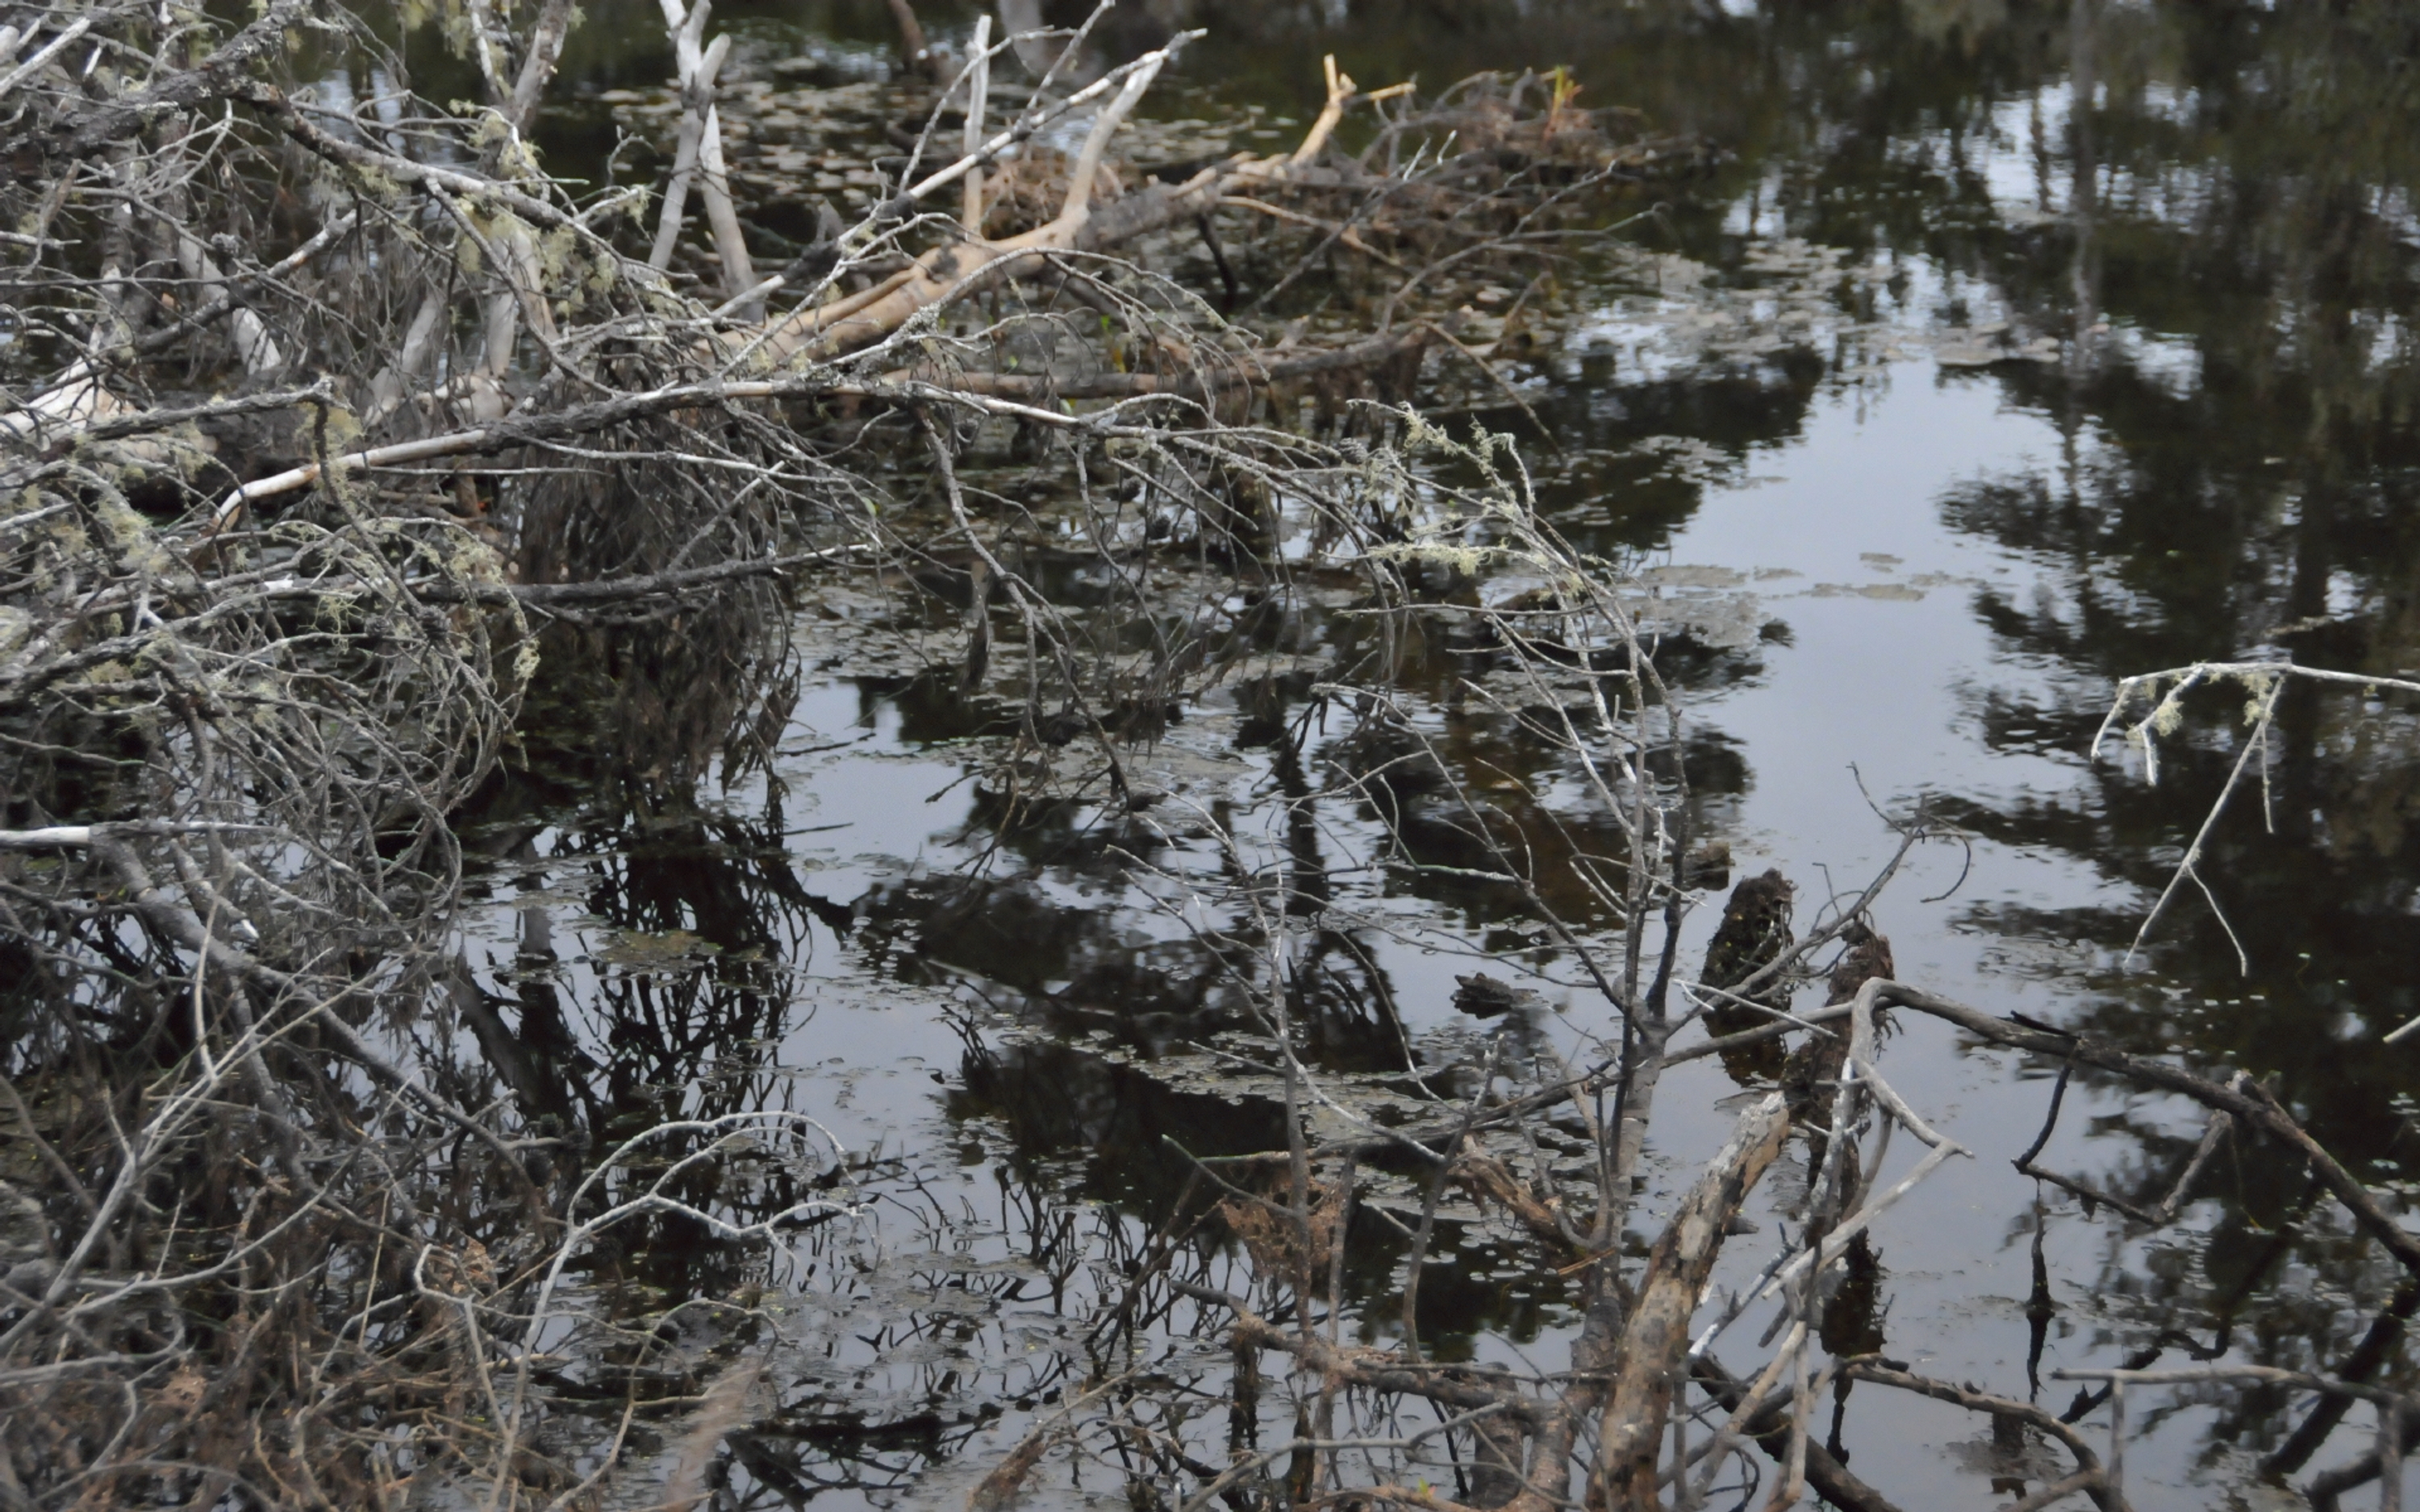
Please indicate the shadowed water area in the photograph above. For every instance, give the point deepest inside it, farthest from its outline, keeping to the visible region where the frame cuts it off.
(1994, 352)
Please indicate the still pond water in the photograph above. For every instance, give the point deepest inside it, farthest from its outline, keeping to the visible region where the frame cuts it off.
(2008, 349)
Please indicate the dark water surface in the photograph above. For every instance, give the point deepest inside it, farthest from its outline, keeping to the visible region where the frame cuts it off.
(2012, 350)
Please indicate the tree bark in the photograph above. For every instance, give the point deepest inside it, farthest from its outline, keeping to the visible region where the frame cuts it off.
(1651, 1364)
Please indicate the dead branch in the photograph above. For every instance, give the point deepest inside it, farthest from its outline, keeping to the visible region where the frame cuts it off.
(1649, 1366)
(87, 132)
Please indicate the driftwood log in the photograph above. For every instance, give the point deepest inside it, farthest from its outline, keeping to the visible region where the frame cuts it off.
(1648, 1368)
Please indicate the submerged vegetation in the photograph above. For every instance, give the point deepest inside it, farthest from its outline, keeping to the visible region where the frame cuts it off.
(404, 537)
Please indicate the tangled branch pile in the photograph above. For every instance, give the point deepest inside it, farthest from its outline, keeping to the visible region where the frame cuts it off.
(340, 436)
(344, 441)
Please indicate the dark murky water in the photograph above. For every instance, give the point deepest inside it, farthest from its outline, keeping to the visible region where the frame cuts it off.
(2015, 348)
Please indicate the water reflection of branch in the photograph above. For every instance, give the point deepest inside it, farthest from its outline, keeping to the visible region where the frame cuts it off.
(2157, 1217)
(2098, 1480)
(2264, 681)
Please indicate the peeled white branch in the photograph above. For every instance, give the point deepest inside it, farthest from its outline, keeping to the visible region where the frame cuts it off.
(978, 102)
(253, 342)
(57, 44)
(698, 158)
(1648, 1367)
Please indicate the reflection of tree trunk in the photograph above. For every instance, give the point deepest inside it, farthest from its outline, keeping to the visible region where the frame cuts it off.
(514, 1063)
(2040, 1306)
(2300, 778)
(2083, 205)
(1307, 879)
(2307, 595)
(2084, 283)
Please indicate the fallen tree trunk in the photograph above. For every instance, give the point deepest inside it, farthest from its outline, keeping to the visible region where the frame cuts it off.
(1649, 1366)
